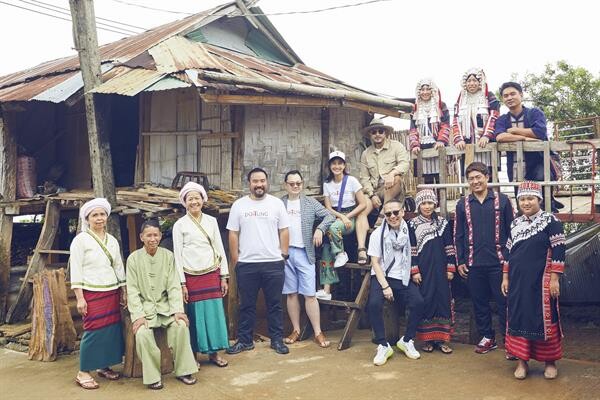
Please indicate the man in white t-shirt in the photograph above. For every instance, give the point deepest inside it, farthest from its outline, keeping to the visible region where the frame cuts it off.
(258, 244)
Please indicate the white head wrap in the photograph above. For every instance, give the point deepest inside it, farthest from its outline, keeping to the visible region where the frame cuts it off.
(192, 187)
(470, 105)
(427, 113)
(88, 207)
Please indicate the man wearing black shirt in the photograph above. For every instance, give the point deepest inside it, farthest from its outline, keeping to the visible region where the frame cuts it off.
(481, 229)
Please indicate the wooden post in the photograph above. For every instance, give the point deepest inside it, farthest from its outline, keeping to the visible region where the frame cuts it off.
(238, 147)
(8, 189)
(494, 162)
(547, 177)
(86, 44)
(520, 163)
(443, 180)
(325, 142)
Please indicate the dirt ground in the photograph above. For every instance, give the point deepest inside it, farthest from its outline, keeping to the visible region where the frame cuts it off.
(309, 372)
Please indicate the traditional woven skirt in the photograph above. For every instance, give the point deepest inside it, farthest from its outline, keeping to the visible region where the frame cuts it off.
(102, 341)
(540, 350)
(208, 326)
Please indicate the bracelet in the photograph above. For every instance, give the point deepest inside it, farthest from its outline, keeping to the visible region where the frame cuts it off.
(384, 288)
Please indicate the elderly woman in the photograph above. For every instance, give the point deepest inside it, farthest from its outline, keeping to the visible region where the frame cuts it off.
(202, 265)
(475, 114)
(429, 126)
(98, 280)
(300, 277)
(531, 284)
(433, 267)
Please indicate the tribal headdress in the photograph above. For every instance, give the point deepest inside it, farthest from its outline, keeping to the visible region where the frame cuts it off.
(530, 188)
(470, 105)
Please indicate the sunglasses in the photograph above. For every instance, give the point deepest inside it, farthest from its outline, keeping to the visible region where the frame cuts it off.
(395, 213)
(378, 131)
(296, 184)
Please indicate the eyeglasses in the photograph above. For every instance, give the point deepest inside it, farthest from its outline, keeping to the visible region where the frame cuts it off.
(378, 131)
(296, 184)
(395, 212)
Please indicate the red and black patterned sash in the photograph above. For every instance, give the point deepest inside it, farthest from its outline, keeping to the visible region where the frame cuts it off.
(471, 234)
(103, 309)
(204, 287)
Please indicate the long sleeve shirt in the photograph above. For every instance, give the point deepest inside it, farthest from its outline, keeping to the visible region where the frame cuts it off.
(193, 252)
(90, 266)
(480, 238)
(374, 164)
(153, 287)
(311, 210)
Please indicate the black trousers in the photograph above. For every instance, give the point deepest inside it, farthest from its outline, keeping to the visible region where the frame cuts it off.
(251, 277)
(410, 295)
(484, 283)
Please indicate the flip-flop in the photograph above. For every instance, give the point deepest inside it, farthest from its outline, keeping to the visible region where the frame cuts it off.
(219, 362)
(155, 386)
(108, 373)
(187, 379)
(427, 348)
(88, 384)
(444, 348)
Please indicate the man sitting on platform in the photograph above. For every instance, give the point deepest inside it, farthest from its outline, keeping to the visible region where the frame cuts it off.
(154, 300)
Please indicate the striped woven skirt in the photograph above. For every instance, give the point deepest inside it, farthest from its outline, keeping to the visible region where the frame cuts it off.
(102, 340)
(540, 350)
(208, 326)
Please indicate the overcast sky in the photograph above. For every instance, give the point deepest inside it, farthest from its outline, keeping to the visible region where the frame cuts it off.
(384, 47)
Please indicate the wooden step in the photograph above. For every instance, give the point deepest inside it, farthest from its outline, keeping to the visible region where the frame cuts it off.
(50, 251)
(339, 303)
(356, 266)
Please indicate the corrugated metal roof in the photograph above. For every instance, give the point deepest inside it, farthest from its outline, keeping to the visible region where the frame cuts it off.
(178, 54)
(167, 83)
(130, 83)
(26, 91)
(66, 88)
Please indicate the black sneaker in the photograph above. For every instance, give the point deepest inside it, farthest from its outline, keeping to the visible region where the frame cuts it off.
(279, 347)
(238, 347)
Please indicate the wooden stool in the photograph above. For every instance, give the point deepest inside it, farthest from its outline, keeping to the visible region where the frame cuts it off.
(183, 177)
(133, 365)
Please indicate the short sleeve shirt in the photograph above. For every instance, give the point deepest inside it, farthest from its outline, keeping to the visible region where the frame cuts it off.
(332, 190)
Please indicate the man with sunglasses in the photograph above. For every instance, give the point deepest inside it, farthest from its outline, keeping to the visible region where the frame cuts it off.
(390, 251)
(382, 166)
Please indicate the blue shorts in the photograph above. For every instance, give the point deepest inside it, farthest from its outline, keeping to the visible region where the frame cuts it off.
(300, 274)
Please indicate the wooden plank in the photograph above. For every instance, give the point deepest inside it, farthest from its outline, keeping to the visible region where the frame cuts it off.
(238, 148)
(339, 303)
(20, 308)
(494, 166)
(443, 180)
(547, 177)
(8, 189)
(520, 163)
(226, 167)
(325, 143)
(361, 300)
(46, 251)
(469, 154)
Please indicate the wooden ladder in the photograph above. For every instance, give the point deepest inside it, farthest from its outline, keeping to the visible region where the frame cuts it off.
(356, 307)
(20, 308)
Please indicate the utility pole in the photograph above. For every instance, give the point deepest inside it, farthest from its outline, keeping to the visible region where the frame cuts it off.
(96, 111)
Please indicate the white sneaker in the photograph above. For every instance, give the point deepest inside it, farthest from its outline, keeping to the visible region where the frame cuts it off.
(323, 295)
(340, 260)
(408, 348)
(383, 353)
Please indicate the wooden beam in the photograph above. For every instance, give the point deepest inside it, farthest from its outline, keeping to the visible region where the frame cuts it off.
(547, 177)
(8, 190)
(520, 162)
(201, 134)
(443, 179)
(238, 125)
(325, 142)
(86, 44)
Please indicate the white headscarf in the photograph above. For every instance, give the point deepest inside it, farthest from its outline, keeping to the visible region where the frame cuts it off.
(88, 207)
(192, 187)
(472, 104)
(427, 113)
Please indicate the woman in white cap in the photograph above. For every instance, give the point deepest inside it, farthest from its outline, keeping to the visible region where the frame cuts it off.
(475, 114)
(531, 283)
(98, 280)
(203, 270)
(344, 199)
(432, 268)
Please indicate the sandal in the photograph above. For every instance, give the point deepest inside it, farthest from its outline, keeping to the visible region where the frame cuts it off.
(521, 373)
(88, 384)
(550, 372)
(427, 347)
(322, 341)
(108, 373)
(187, 379)
(218, 361)
(362, 260)
(445, 348)
(156, 386)
(293, 338)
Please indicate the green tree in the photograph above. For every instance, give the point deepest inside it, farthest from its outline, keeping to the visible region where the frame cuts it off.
(564, 91)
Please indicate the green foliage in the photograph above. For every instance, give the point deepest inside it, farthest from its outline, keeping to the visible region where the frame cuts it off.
(564, 91)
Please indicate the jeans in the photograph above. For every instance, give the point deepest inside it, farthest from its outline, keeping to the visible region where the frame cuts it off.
(412, 299)
(251, 277)
(484, 282)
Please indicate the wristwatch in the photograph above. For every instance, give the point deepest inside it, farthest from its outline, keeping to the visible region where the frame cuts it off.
(285, 256)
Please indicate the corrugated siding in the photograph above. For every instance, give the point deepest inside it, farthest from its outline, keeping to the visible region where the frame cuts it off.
(215, 154)
(580, 282)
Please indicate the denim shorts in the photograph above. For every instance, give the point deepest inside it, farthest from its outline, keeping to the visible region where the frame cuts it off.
(300, 274)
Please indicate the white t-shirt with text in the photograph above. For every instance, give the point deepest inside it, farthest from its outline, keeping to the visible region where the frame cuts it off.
(332, 190)
(258, 222)
(293, 210)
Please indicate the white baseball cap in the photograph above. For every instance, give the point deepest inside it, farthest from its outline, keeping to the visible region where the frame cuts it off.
(337, 154)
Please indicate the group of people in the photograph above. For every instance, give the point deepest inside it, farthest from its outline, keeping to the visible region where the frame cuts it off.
(272, 245)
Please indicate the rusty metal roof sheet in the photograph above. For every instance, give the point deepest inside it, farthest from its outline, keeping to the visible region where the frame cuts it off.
(178, 54)
(131, 82)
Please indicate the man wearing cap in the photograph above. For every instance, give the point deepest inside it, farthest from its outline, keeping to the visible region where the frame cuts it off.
(382, 166)
(258, 244)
